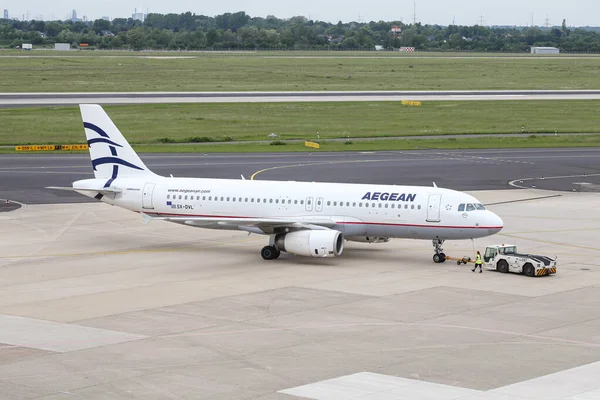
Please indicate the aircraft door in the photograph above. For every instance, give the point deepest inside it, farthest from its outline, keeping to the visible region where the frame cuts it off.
(147, 195)
(319, 205)
(433, 207)
(309, 204)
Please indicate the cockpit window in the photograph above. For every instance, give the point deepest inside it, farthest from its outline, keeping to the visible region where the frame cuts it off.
(470, 207)
(461, 207)
(479, 206)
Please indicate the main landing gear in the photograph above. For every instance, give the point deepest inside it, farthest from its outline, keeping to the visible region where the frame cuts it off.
(270, 252)
(439, 256)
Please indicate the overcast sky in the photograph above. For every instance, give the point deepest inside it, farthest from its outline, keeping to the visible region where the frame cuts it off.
(464, 12)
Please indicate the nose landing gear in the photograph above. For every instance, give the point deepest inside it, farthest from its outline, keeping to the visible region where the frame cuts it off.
(439, 256)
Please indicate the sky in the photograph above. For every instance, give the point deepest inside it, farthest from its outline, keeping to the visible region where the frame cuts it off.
(443, 12)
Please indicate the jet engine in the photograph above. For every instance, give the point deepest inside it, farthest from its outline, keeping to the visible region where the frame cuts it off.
(317, 243)
(368, 239)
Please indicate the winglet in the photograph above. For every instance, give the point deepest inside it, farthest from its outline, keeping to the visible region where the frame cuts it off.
(243, 177)
(434, 185)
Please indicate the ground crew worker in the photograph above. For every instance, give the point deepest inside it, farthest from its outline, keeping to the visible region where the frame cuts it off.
(478, 262)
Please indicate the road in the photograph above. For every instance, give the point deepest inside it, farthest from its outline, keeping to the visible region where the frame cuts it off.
(25, 176)
(54, 99)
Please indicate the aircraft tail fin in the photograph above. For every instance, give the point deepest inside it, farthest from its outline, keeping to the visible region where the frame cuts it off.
(111, 154)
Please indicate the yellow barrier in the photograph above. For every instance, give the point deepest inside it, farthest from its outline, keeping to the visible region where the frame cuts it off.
(52, 147)
(312, 144)
(36, 148)
(411, 103)
(74, 147)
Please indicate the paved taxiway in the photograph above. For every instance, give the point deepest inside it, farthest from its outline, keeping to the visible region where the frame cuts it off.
(95, 304)
(25, 176)
(47, 99)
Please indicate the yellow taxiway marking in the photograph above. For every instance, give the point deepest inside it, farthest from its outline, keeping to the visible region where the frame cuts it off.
(550, 242)
(316, 163)
(120, 252)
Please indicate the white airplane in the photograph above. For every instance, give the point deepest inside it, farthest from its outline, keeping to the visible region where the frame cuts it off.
(302, 218)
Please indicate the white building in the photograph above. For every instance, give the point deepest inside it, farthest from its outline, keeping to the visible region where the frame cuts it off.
(545, 50)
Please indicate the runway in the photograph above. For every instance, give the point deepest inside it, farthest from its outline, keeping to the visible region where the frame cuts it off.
(25, 176)
(55, 99)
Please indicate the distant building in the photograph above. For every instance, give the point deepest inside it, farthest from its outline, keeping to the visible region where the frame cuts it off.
(106, 19)
(545, 50)
(5, 14)
(136, 16)
(62, 46)
(74, 16)
(107, 34)
(395, 30)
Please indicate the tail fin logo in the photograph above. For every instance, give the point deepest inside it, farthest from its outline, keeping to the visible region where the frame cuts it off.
(114, 159)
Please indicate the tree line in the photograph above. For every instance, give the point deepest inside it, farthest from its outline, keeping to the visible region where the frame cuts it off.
(188, 31)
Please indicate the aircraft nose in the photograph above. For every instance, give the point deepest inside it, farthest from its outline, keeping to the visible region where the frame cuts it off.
(495, 223)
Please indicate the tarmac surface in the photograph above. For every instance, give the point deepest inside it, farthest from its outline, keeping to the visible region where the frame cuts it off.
(24, 176)
(95, 304)
(54, 99)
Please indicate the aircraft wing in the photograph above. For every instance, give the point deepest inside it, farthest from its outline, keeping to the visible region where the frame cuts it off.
(103, 190)
(254, 225)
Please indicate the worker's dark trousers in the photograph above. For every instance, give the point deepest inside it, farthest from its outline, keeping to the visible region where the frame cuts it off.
(477, 265)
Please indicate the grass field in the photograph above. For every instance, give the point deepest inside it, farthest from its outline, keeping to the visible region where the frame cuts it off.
(153, 124)
(379, 145)
(288, 72)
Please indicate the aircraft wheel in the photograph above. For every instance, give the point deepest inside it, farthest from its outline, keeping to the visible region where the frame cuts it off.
(269, 253)
(438, 258)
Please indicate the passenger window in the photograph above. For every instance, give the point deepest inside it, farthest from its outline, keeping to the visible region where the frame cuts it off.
(246, 200)
(257, 200)
(373, 205)
(295, 201)
(412, 206)
(386, 205)
(470, 207)
(301, 201)
(328, 203)
(228, 199)
(222, 198)
(308, 202)
(168, 196)
(334, 203)
(203, 197)
(419, 206)
(347, 204)
(289, 201)
(381, 205)
(366, 204)
(319, 202)
(360, 204)
(270, 200)
(233, 199)
(406, 206)
(277, 201)
(252, 200)
(393, 205)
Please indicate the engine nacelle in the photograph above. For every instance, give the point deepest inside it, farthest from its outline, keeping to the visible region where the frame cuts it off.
(368, 239)
(321, 243)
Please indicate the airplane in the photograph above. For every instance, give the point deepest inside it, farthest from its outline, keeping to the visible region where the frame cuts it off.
(311, 219)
